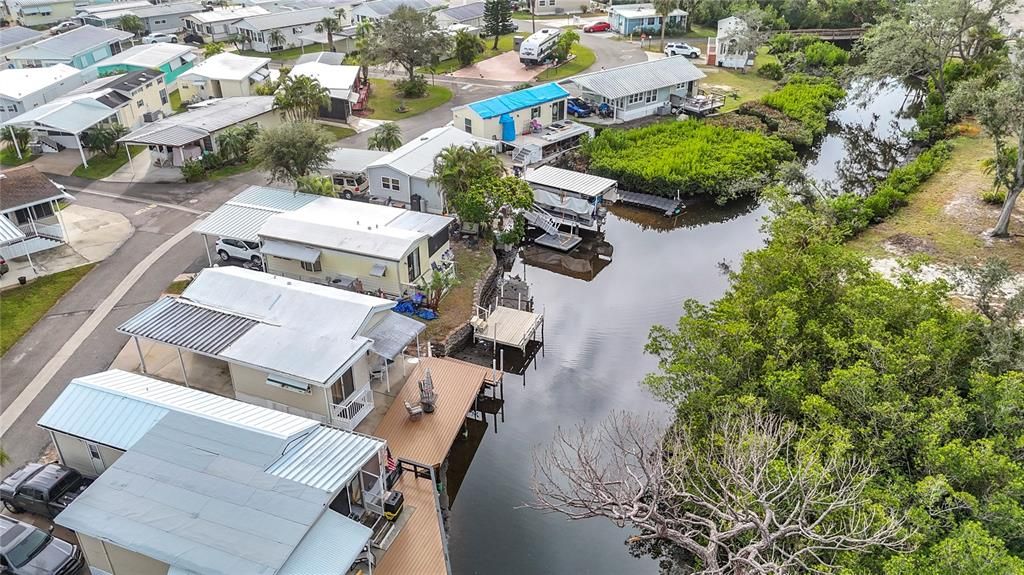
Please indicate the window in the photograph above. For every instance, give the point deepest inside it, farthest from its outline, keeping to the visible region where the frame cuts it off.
(558, 111)
(390, 184)
(159, 21)
(312, 267)
(94, 450)
(163, 96)
(469, 125)
(437, 241)
(296, 30)
(344, 387)
(650, 21)
(140, 103)
(414, 264)
(534, 112)
(288, 384)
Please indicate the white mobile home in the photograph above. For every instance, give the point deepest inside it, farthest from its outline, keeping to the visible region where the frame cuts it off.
(257, 31)
(23, 89)
(639, 90)
(218, 24)
(225, 75)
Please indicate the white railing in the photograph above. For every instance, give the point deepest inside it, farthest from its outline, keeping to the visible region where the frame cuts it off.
(373, 498)
(26, 247)
(350, 412)
(40, 229)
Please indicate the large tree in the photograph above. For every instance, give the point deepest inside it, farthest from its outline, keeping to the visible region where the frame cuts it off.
(412, 39)
(999, 108)
(299, 98)
(367, 48)
(467, 46)
(664, 8)
(457, 168)
(131, 23)
(498, 203)
(386, 137)
(292, 150)
(738, 496)
(497, 19)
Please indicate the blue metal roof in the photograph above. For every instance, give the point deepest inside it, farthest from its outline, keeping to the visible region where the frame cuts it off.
(498, 105)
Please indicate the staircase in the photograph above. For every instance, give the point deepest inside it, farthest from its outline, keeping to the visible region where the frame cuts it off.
(49, 142)
(538, 218)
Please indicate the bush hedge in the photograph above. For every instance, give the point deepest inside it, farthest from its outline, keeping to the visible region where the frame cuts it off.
(689, 158)
(771, 71)
(853, 213)
(748, 123)
(784, 127)
(825, 55)
(807, 100)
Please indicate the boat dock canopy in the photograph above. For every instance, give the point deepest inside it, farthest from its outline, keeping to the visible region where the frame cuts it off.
(569, 181)
(508, 326)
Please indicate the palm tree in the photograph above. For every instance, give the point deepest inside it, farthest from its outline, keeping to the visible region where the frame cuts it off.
(234, 143)
(212, 49)
(275, 38)
(330, 25)
(301, 97)
(12, 135)
(386, 137)
(131, 23)
(365, 45)
(316, 184)
(664, 8)
(457, 168)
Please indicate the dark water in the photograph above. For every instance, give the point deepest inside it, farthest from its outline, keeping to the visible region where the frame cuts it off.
(598, 315)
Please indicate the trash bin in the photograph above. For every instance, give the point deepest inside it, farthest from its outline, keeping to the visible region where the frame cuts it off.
(393, 505)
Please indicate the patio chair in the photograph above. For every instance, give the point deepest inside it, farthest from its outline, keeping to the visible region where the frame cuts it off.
(415, 411)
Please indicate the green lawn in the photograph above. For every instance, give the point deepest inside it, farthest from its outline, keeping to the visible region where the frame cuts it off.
(763, 57)
(584, 59)
(739, 86)
(225, 171)
(23, 306)
(340, 132)
(176, 105)
(451, 64)
(102, 165)
(177, 286)
(384, 101)
(9, 157)
(289, 54)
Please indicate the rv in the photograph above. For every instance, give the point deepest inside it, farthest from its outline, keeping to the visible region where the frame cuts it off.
(538, 47)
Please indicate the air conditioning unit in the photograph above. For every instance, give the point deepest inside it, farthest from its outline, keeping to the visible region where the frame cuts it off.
(152, 116)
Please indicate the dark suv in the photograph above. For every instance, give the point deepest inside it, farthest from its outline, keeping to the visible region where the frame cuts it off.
(44, 490)
(25, 550)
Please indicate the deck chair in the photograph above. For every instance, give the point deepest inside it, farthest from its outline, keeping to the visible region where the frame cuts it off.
(415, 411)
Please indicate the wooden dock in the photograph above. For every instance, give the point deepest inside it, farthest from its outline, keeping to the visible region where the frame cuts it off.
(507, 326)
(668, 206)
(418, 547)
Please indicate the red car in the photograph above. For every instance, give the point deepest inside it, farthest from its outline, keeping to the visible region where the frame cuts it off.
(598, 27)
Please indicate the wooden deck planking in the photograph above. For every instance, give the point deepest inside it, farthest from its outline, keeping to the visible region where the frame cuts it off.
(418, 548)
(510, 326)
(428, 440)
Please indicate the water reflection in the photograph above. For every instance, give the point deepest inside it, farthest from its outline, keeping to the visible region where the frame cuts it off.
(584, 262)
(697, 213)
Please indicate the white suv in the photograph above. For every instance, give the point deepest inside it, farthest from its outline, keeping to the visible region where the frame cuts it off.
(228, 248)
(159, 38)
(681, 49)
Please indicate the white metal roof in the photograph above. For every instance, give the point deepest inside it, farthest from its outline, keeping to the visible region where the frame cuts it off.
(168, 9)
(635, 78)
(196, 124)
(70, 114)
(230, 13)
(116, 408)
(330, 547)
(16, 83)
(570, 181)
(70, 44)
(111, 7)
(242, 217)
(290, 336)
(17, 35)
(352, 159)
(228, 66)
(342, 225)
(632, 11)
(288, 19)
(337, 79)
(327, 458)
(9, 232)
(416, 158)
(149, 55)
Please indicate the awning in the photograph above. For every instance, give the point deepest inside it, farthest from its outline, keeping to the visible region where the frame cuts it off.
(290, 251)
(378, 270)
(259, 75)
(11, 233)
(392, 335)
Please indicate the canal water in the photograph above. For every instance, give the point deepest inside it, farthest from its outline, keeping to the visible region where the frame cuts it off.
(598, 315)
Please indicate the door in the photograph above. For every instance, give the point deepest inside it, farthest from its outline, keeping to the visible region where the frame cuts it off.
(97, 461)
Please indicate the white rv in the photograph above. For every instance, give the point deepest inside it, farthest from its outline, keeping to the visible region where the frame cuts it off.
(538, 47)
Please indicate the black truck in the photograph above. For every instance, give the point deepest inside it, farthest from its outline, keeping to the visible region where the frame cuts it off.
(41, 489)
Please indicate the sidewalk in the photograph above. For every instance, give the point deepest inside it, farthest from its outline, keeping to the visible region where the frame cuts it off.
(141, 169)
(93, 235)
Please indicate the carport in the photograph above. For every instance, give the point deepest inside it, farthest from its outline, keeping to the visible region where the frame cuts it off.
(243, 215)
(70, 117)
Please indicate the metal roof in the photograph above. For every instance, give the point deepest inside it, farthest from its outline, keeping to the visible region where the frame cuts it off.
(228, 13)
(424, 222)
(290, 251)
(288, 336)
(384, 8)
(177, 322)
(72, 115)
(242, 217)
(642, 11)
(518, 100)
(148, 55)
(330, 547)
(117, 408)
(229, 66)
(635, 78)
(9, 232)
(168, 9)
(416, 157)
(193, 493)
(338, 80)
(16, 83)
(196, 124)
(70, 44)
(352, 159)
(285, 19)
(332, 58)
(570, 181)
(13, 35)
(326, 459)
(470, 11)
(393, 333)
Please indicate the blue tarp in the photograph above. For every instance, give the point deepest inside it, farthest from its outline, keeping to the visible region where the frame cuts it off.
(498, 105)
(405, 307)
(508, 128)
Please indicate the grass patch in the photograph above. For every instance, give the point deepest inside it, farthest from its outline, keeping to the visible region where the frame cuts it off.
(177, 287)
(946, 219)
(457, 306)
(339, 132)
(384, 100)
(289, 54)
(9, 157)
(505, 44)
(226, 171)
(25, 305)
(739, 86)
(102, 165)
(175, 99)
(764, 57)
(584, 59)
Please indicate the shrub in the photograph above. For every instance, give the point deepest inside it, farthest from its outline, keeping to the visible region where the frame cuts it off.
(687, 157)
(415, 88)
(789, 130)
(807, 100)
(771, 71)
(781, 43)
(825, 55)
(739, 122)
(193, 170)
(996, 197)
(212, 161)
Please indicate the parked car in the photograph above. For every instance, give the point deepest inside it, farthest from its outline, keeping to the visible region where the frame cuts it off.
(598, 27)
(350, 185)
(228, 248)
(26, 550)
(579, 108)
(64, 26)
(40, 489)
(681, 49)
(193, 38)
(159, 38)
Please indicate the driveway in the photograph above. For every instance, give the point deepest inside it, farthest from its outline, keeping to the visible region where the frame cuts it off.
(504, 67)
